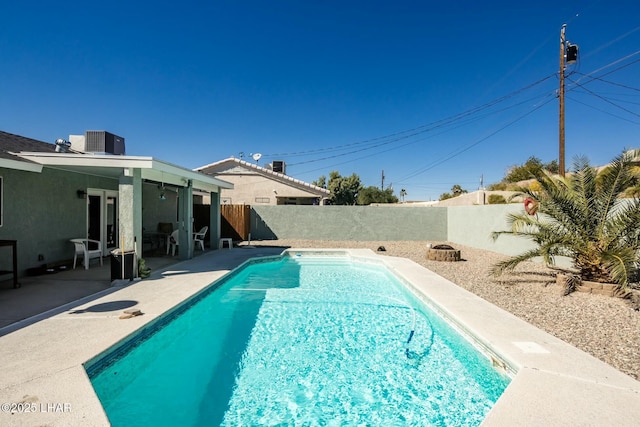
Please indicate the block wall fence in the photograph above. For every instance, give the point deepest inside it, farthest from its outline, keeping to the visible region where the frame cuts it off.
(466, 225)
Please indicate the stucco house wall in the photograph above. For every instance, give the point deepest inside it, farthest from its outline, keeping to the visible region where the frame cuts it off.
(256, 185)
(254, 189)
(156, 210)
(42, 211)
(480, 197)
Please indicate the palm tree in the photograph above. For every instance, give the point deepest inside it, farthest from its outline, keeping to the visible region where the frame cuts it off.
(584, 218)
(457, 190)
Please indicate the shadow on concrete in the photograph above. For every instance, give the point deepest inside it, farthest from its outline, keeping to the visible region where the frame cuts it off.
(107, 306)
(222, 259)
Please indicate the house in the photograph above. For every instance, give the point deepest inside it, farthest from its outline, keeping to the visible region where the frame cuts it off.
(51, 193)
(256, 185)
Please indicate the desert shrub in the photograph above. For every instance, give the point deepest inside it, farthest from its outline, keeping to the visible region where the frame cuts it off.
(496, 199)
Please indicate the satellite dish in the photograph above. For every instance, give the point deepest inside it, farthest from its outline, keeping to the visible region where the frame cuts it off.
(256, 156)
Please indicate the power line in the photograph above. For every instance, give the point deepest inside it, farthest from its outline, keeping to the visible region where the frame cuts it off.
(548, 95)
(613, 63)
(460, 124)
(604, 111)
(609, 82)
(455, 154)
(419, 129)
(606, 100)
(448, 121)
(457, 119)
(468, 147)
(442, 123)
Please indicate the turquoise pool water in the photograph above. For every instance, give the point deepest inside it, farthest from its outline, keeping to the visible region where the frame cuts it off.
(311, 340)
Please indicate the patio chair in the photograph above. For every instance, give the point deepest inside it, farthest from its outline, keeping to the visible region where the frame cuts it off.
(198, 238)
(82, 248)
(172, 243)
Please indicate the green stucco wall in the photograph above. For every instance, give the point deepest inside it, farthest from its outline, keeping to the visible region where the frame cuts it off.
(348, 223)
(42, 211)
(155, 210)
(465, 225)
(473, 225)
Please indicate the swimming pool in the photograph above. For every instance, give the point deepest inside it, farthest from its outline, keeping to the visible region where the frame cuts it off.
(299, 340)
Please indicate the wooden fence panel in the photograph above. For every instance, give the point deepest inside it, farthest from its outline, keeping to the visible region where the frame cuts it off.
(236, 221)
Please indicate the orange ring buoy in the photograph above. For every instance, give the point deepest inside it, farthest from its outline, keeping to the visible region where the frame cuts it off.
(531, 206)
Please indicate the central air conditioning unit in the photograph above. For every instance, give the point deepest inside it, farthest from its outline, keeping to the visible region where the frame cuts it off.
(98, 141)
(279, 166)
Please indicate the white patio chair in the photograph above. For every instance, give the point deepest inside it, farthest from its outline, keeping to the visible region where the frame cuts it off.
(172, 242)
(82, 248)
(198, 238)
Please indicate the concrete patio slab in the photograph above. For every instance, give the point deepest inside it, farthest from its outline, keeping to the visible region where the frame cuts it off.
(39, 294)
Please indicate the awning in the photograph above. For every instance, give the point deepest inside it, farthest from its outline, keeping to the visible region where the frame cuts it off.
(112, 166)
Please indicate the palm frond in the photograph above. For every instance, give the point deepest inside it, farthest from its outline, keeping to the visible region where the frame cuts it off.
(614, 180)
(620, 265)
(511, 263)
(562, 203)
(621, 227)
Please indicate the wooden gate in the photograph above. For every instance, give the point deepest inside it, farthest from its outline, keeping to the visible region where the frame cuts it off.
(236, 221)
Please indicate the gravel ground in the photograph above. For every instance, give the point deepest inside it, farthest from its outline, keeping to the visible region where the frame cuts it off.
(608, 328)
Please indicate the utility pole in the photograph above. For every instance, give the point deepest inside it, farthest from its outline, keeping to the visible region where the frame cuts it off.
(382, 185)
(568, 55)
(561, 99)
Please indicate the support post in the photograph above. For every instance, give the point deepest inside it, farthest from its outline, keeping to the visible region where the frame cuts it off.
(130, 209)
(185, 222)
(214, 220)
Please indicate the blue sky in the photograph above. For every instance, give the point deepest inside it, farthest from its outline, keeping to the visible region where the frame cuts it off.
(433, 94)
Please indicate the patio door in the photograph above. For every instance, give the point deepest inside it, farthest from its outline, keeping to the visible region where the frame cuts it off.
(102, 218)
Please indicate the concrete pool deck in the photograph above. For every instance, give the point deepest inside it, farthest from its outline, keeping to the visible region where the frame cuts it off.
(555, 383)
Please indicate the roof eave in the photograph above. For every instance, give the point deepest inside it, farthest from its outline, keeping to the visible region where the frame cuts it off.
(151, 168)
(283, 178)
(20, 165)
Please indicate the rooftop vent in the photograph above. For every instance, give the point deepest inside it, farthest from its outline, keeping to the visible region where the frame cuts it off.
(62, 146)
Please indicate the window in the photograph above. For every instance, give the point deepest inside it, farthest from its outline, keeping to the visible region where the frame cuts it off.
(262, 200)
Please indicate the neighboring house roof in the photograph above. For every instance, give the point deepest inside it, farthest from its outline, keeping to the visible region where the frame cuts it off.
(17, 152)
(232, 165)
(11, 144)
